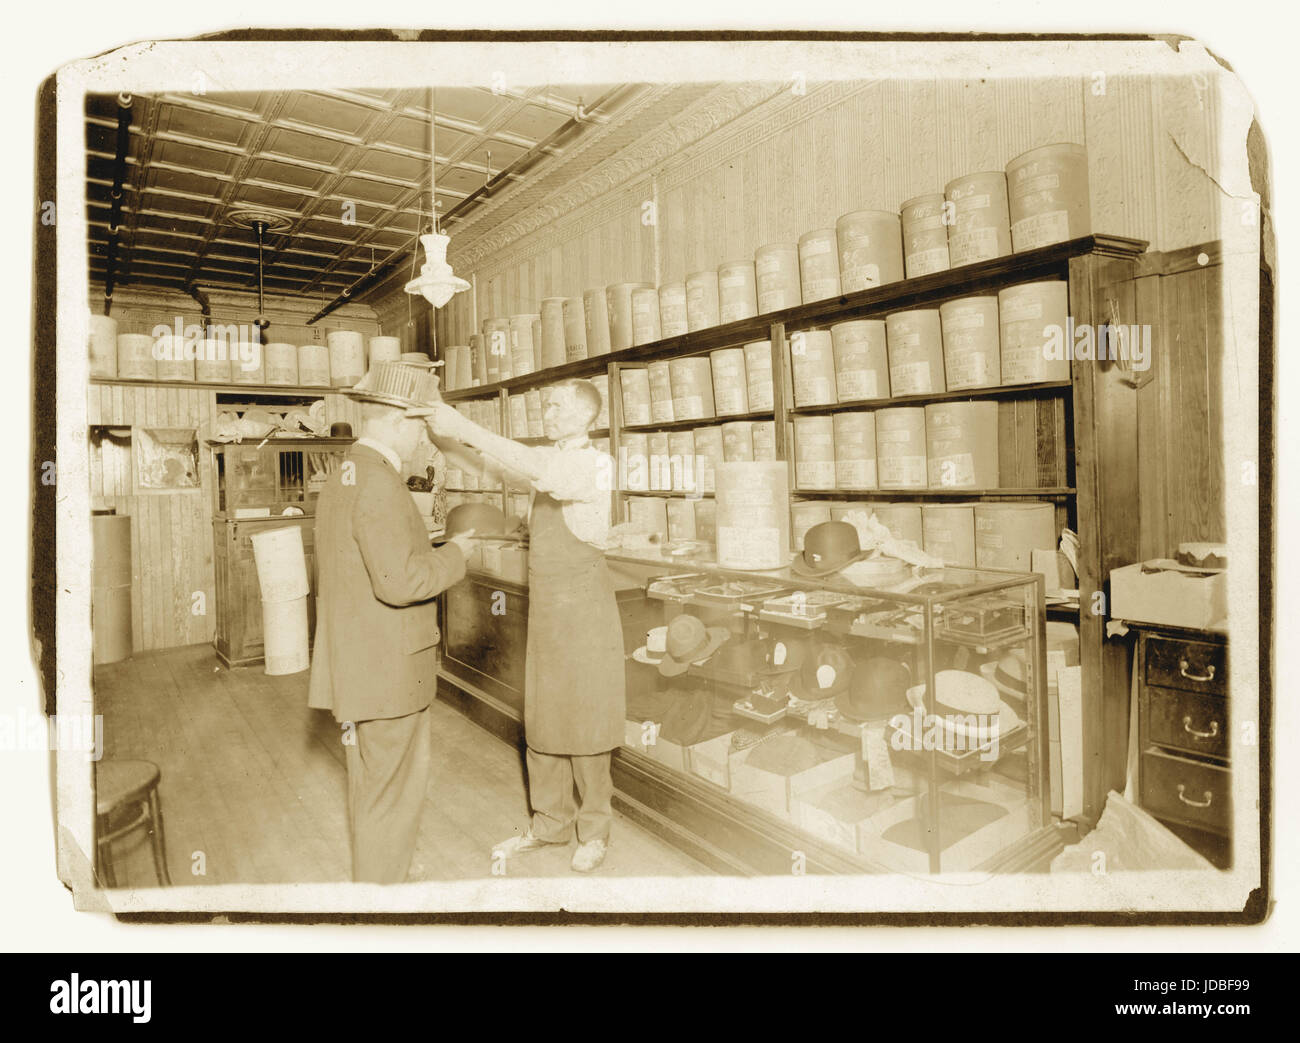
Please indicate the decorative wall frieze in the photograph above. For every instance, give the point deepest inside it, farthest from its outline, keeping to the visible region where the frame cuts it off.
(728, 121)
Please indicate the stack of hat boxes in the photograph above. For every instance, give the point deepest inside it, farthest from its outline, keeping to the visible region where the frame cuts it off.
(855, 443)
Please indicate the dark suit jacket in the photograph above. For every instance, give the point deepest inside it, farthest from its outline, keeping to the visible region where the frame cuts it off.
(376, 623)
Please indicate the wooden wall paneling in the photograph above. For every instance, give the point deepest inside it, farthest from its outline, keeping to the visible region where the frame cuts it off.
(1107, 479)
(786, 208)
(1154, 435)
(953, 138)
(1196, 499)
(1217, 530)
(1008, 450)
(1048, 457)
(923, 167)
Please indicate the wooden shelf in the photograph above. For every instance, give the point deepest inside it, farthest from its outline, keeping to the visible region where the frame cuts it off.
(665, 492)
(244, 389)
(704, 421)
(1046, 492)
(1044, 389)
(965, 281)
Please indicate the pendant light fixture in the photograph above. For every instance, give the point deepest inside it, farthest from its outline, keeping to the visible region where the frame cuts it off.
(260, 222)
(436, 283)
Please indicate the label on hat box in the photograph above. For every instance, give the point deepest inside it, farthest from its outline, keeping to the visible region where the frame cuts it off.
(742, 546)
(855, 474)
(977, 244)
(864, 276)
(910, 378)
(812, 390)
(815, 474)
(902, 471)
(875, 755)
(1018, 307)
(858, 383)
(688, 407)
(924, 262)
(965, 368)
(970, 318)
(954, 469)
(1041, 230)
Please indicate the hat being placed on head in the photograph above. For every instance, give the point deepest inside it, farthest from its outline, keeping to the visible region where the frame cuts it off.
(407, 383)
(826, 672)
(878, 691)
(828, 547)
(486, 522)
(689, 641)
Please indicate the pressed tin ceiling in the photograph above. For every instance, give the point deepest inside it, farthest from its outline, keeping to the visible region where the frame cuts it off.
(348, 169)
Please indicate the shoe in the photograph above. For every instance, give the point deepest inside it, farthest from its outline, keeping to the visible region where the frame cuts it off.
(589, 855)
(518, 845)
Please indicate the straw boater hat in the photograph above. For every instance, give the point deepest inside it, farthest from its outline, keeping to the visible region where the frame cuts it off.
(408, 383)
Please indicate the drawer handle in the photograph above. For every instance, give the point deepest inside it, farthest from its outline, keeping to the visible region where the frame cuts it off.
(1209, 797)
(1207, 676)
(1213, 733)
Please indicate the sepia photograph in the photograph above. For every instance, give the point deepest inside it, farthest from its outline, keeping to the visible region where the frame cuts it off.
(671, 476)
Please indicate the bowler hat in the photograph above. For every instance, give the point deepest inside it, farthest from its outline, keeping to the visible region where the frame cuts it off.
(689, 641)
(878, 691)
(486, 522)
(828, 547)
(826, 672)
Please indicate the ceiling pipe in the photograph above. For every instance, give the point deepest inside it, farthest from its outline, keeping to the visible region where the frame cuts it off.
(119, 180)
(205, 306)
(529, 159)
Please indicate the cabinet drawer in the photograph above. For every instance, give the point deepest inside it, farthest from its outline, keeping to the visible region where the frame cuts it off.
(1185, 791)
(1196, 666)
(1187, 720)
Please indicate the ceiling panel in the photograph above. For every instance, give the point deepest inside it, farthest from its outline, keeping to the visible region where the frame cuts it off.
(313, 158)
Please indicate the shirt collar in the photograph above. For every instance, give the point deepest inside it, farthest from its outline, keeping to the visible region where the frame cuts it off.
(387, 453)
(576, 442)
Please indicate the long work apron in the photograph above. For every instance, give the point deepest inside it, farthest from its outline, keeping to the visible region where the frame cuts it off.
(574, 690)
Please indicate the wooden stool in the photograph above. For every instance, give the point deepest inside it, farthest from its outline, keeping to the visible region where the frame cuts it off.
(122, 786)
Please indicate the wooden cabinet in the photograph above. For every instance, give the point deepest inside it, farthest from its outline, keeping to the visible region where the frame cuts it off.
(1184, 766)
(238, 638)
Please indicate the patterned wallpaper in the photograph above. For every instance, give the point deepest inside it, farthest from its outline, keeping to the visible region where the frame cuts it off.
(749, 164)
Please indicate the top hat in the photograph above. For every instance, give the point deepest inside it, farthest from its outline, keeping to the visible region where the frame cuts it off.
(825, 673)
(407, 383)
(689, 641)
(878, 691)
(486, 521)
(828, 547)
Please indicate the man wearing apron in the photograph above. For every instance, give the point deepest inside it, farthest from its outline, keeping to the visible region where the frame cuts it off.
(574, 682)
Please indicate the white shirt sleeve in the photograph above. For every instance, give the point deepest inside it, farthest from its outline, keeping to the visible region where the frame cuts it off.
(582, 480)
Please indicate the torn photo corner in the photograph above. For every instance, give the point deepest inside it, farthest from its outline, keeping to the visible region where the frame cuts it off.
(947, 263)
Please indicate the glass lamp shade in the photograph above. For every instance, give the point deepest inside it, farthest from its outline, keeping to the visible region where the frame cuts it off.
(436, 283)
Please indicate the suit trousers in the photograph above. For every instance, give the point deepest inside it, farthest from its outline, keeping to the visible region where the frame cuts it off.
(388, 779)
(551, 781)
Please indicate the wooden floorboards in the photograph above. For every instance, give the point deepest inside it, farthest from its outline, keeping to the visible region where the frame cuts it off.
(254, 786)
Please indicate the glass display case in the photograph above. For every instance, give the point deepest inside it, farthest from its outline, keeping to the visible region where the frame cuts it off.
(900, 716)
(260, 479)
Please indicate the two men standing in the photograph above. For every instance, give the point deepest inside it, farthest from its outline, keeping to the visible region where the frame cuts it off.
(374, 664)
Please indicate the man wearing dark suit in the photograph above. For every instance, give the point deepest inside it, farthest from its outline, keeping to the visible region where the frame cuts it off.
(374, 663)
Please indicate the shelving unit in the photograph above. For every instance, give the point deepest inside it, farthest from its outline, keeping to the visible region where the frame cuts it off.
(1040, 417)
(242, 389)
(1055, 426)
